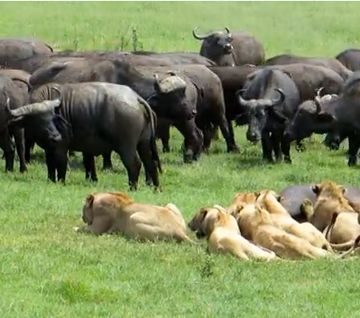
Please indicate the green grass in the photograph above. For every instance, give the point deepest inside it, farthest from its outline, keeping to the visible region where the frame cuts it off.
(48, 270)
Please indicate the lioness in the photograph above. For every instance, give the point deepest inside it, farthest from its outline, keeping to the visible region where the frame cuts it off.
(256, 225)
(116, 212)
(283, 220)
(223, 235)
(331, 200)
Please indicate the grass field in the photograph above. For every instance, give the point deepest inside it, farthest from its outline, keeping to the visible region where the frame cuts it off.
(48, 270)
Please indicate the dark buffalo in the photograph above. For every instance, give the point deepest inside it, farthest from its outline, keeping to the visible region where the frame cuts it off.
(331, 63)
(350, 58)
(233, 79)
(11, 96)
(93, 118)
(177, 102)
(211, 109)
(74, 71)
(293, 196)
(309, 78)
(177, 57)
(172, 96)
(210, 102)
(229, 49)
(340, 114)
(15, 49)
(271, 98)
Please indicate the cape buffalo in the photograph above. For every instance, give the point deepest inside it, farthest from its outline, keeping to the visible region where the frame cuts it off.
(177, 102)
(233, 78)
(172, 96)
(13, 94)
(309, 78)
(271, 99)
(15, 49)
(331, 63)
(350, 58)
(229, 49)
(93, 118)
(340, 114)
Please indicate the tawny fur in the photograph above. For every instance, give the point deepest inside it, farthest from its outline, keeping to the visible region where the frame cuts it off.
(223, 235)
(330, 201)
(283, 220)
(256, 225)
(116, 212)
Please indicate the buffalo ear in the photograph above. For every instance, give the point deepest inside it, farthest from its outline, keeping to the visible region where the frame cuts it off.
(315, 188)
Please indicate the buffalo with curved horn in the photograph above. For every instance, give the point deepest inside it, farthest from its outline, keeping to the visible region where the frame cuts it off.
(229, 49)
(271, 99)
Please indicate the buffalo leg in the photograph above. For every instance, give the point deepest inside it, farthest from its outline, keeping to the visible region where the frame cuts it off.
(354, 144)
(51, 166)
(266, 146)
(224, 127)
(61, 162)
(29, 145)
(276, 141)
(90, 169)
(163, 133)
(20, 147)
(193, 139)
(285, 148)
(107, 164)
(150, 166)
(231, 133)
(9, 153)
(132, 164)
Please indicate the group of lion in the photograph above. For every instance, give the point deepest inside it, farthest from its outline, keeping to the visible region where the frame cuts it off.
(255, 226)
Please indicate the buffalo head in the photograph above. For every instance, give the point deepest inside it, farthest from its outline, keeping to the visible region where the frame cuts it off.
(258, 111)
(311, 118)
(215, 44)
(173, 98)
(40, 118)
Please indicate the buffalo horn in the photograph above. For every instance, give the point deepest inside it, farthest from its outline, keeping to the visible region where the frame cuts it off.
(200, 37)
(318, 92)
(36, 108)
(243, 102)
(281, 98)
(227, 30)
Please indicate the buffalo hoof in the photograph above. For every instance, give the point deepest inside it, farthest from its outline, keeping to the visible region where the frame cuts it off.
(133, 186)
(352, 161)
(287, 159)
(233, 149)
(166, 149)
(23, 169)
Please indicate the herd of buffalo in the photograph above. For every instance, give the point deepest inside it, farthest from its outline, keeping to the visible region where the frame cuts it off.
(98, 102)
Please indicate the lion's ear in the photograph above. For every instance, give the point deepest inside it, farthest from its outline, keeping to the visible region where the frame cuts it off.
(315, 188)
(342, 189)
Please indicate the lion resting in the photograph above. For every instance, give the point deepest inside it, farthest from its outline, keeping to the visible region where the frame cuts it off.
(116, 212)
(223, 235)
(330, 201)
(256, 225)
(282, 219)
